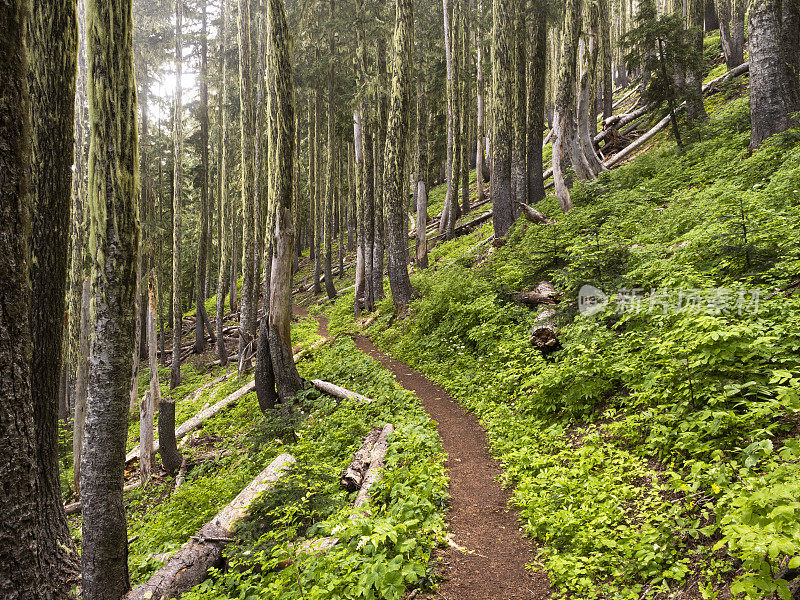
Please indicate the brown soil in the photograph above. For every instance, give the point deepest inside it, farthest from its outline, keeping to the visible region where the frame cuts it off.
(493, 566)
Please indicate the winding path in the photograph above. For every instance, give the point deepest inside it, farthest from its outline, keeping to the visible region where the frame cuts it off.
(488, 557)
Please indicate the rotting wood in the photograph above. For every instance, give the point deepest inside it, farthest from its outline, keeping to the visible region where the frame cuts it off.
(189, 566)
(372, 476)
(533, 215)
(544, 334)
(353, 475)
(196, 420)
(543, 293)
(338, 391)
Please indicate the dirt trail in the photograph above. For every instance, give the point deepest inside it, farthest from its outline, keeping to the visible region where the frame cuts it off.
(493, 568)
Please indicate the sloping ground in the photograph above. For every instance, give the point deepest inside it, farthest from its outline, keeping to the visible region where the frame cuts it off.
(654, 454)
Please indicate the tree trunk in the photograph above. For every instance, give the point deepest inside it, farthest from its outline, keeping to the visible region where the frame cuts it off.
(710, 20)
(81, 384)
(203, 242)
(171, 457)
(248, 131)
(606, 52)
(379, 220)
(445, 224)
(153, 398)
(330, 289)
(564, 126)
(312, 238)
(695, 110)
(115, 237)
(771, 98)
(358, 152)
(731, 28)
(281, 103)
(319, 211)
(422, 170)
(79, 257)
(177, 201)
(224, 211)
(396, 140)
(353, 475)
(464, 105)
(502, 110)
(537, 65)
(587, 106)
(20, 573)
(481, 130)
(53, 41)
(519, 179)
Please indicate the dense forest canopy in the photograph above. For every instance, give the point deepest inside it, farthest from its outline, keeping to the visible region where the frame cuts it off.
(575, 222)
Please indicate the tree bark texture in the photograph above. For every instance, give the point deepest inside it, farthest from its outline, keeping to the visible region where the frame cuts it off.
(502, 111)
(537, 66)
(53, 43)
(114, 239)
(224, 211)
(20, 572)
(396, 140)
(772, 100)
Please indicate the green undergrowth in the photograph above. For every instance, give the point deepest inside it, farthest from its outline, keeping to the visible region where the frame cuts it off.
(381, 552)
(655, 449)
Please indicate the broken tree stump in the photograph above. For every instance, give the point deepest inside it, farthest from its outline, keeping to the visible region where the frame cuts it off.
(189, 565)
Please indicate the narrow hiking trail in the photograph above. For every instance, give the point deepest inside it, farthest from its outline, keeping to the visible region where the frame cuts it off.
(488, 562)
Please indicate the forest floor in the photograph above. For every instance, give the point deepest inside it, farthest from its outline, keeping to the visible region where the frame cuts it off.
(487, 554)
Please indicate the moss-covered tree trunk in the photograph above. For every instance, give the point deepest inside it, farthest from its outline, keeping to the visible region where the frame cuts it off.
(519, 164)
(502, 114)
(587, 85)
(537, 66)
(480, 133)
(695, 13)
(177, 201)
(358, 168)
(20, 572)
(312, 163)
(224, 211)
(564, 125)
(281, 105)
(330, 289)
(53, 39)
(396, 141)
(319, 211)
(421, 181)
(464, 110)
(201, 321)
(379, 220)
(447, 220)
(248, 199)
(114, 238)
(606, 54)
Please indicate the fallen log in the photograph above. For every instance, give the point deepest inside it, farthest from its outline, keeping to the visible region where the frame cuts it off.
(196, 420)
(372, 476)
(544, 333)
(533, 215)
(625, 97)
(338, 391)
(353, 475)
(189, 565)
(376, 464)
(544, 293)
